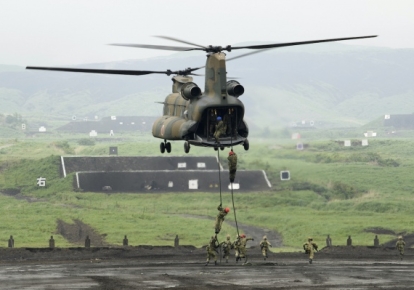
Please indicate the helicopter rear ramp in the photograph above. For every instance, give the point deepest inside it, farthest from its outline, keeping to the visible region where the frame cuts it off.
(159, 174)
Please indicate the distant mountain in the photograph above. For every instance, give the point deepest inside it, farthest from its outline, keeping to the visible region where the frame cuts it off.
(331, 84)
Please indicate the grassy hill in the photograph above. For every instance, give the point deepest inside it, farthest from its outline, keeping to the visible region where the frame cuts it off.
(333, 190)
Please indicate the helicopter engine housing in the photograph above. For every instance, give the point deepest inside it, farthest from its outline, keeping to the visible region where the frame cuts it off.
(190, 91)
(234, 88)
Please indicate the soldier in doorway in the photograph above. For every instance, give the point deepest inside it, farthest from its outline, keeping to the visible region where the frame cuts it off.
(227, 121)
(310, 247)
(220, 217)
(220, 129)
(232, 158)
(226, 245)
(264, 246)
(212, 122)
(211, 250)
(400, 246)
(242, 249)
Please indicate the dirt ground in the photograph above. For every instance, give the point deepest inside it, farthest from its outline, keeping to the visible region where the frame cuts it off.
(146, 267)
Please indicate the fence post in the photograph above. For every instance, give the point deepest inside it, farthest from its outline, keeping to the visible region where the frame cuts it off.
(11, 242)
(87, 242)
(376, 241)
(349, 241)
(51, 243)
(176, 241)
(328, 241)
(125, 241)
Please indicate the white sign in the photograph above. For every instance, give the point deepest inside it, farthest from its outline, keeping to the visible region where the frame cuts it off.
(23, 126)
(120, 123)
(201, 165)
(235, 186)
(170, 184)
(113, 118)
(182, 165)
(370, 134)
(193, 184)
(387, 117)
(41, 181)
(111, 133)
(364, 142)
(42, 129)
(295, 136)
(93, 133)
(347, 143)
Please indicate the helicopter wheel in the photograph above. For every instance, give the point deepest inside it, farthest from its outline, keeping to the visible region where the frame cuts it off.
(246, 144)
(168, 147)
(186, 147)
(162, 147)
(222, 148)
(215, 148)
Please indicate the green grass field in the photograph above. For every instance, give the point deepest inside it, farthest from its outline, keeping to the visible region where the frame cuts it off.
(333, 190)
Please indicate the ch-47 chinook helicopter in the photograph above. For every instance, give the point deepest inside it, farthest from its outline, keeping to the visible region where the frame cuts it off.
(190, 114)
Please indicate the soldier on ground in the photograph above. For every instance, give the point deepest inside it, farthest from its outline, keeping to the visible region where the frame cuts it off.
(220, 217)
(310, 247)
(264, 245)
(232, 158)
(242, 248)
(236, 245)
(226, 248)
(220, 129)
(211, 250)
(400, 246)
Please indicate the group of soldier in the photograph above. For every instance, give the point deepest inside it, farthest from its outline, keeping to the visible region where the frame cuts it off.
(223, 127)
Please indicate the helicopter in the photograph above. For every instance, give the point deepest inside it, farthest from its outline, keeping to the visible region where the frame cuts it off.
(190, 114)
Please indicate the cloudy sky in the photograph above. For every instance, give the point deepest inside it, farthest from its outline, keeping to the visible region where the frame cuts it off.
(70, 32)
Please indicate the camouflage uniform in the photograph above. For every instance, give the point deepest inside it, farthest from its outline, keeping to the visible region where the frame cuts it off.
(310, 247)
(211, 250)
(264, 245)
(400, 246)
(242, 249)
(232, 158)
(227, 123)
(236, 246)
(220, 129)
(220, 218)
(226, 248)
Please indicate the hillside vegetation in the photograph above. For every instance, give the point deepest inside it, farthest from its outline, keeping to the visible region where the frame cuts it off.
(333, 190)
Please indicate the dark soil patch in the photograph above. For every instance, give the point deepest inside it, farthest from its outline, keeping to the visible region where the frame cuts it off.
(77, 232)
(379, 231)
(15, 192)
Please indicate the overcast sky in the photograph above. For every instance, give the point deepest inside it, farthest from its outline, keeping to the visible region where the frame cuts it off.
(70, 32)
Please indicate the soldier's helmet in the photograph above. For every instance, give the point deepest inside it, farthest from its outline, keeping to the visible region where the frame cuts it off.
(218, 118)
(310, 239)
(264, 237)
(231, 153)
(226, 209)
(400, 237)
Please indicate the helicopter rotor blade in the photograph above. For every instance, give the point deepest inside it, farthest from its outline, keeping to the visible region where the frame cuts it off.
(162, 47)
(266, 46)
(180, 40)
(101, 71)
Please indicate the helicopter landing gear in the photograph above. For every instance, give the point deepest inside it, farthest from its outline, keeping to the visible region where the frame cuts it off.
(221, 148)
(215, 148)
(246, 144)
(186, 147)
(165, 146)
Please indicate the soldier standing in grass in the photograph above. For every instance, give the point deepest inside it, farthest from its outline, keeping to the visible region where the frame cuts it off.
(220, 217)
(400, 246)
(310, 247)
(220, 129)
(211, 250)
(264, 245)
(232, 158)
(242, 249)
(226, 248)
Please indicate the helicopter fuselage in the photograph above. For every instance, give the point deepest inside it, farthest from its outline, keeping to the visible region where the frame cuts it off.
(193, 118)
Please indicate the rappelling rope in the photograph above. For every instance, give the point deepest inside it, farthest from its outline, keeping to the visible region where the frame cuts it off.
(218, 163)
(234, 209)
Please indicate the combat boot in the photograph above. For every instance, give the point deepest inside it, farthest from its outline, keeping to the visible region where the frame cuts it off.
(206, 263)
(310, 261)
(264, 258)
(227, 260)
